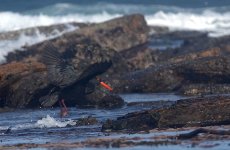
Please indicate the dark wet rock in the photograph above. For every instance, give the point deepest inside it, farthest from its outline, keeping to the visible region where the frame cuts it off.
(204, 89)
(143, 121)
(8, 131)
(142, 56)
(111, 101)
(120, 33)
(204, 111)
(213, 52)
(137, 58)
(19, 81)
(86, 121)
(101, 100)
(156, 58)
(171, 77)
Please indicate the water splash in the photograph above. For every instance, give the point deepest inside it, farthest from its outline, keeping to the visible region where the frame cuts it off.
(49, 122)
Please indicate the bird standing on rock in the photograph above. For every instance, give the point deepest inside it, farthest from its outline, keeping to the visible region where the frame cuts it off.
(64, 77)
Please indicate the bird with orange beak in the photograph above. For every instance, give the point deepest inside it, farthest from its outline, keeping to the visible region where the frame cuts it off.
(67, 80)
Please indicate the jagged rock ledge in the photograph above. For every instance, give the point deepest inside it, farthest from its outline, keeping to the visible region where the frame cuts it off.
(203, 111)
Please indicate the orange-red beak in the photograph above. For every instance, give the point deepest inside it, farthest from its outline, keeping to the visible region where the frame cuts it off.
(103, 84)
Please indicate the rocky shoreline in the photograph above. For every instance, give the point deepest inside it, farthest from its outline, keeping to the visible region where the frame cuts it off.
(194, 68)
(153, 140)
(199, 112)
(198, 66)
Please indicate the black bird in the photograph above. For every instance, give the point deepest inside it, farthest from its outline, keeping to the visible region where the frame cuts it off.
(64, 77)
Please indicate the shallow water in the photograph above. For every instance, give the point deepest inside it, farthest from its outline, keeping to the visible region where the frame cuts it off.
(44, 125)
(164, 43)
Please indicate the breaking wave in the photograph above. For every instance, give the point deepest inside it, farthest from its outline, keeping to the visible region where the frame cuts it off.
(216, 24)
(49, 122)
(215, 20)
(14, 21)
(45, 122)
(10, 45)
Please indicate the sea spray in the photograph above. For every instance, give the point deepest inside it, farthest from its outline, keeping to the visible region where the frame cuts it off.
(10, 45)
(215, 20)
(216, 24)
(46, 122)
(12, 21)
(49, 122)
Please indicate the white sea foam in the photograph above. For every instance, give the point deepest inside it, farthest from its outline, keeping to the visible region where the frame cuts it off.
(13, 21)
(217, 24)
(46, 122)
(7, 46)
(49, 122)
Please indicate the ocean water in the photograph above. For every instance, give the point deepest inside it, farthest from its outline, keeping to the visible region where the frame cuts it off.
(39, 126)
(34, 125)
(210, 16)
(205, 15)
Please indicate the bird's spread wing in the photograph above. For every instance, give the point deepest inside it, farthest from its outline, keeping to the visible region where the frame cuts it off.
(60, 72)
(94, 70)
(49, 100)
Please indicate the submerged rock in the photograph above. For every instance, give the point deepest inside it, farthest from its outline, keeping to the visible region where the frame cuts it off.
(204, 111)
(86, 121)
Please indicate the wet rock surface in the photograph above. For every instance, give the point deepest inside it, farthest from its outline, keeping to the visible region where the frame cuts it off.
(204, 111)
(86, 121)
(19, 81)
(171, 77)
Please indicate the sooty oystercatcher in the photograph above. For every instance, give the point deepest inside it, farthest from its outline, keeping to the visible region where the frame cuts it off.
(64, 76)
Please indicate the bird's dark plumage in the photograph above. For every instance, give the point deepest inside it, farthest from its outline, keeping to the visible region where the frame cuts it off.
(64, 77)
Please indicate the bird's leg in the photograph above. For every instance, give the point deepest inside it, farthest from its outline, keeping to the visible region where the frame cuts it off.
(64, 111)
